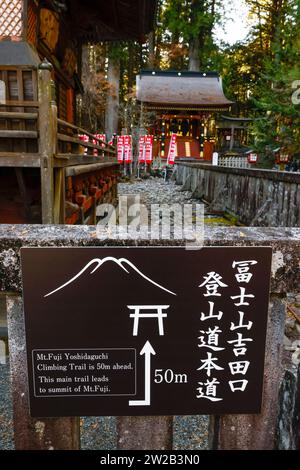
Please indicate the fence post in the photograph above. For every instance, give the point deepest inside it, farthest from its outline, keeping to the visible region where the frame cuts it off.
(257, 432)
(145, 432)
(32, 433)
(47, 139)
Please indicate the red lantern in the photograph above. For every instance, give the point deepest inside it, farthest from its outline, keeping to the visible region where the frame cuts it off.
(172, 150)
(120, 148)
(142, 149)
(284, 158)
(127, 149)
(148, 149)
(252, 158)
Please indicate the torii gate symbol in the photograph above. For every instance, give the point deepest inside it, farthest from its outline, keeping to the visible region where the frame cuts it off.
(138, 313)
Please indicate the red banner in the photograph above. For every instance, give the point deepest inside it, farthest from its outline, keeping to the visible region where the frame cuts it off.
(127, 149)
(172, 150)
(149, 148)
(95, 142)
(101, 137)
(142, 149)
(120, 148)
(84, 138)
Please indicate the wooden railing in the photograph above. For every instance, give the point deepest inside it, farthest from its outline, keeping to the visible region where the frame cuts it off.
(26, 124)
(31, 135)
(67, 134)
(101, 146)
(19, 134)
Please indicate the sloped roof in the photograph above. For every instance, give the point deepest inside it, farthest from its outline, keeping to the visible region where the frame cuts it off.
(237, 119)
(18, 53)
(181, 89)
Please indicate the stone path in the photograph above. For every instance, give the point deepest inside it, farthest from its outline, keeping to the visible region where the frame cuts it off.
(156, 191)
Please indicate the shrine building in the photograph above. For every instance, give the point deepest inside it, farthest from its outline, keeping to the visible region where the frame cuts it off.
(185, 103)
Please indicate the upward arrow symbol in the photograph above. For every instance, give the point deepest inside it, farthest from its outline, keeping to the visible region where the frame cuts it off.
(147, 351)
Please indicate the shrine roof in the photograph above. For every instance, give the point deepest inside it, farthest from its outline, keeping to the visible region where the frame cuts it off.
(181, 89)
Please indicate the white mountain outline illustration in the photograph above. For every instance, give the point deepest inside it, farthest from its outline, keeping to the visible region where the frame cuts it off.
(100, 262)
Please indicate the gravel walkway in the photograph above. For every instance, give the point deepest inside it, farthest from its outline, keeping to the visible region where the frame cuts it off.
(156, 191)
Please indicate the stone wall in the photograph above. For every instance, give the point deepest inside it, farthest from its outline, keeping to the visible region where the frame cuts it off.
(258, 197)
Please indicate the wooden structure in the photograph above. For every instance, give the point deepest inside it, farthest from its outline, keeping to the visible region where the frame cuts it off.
(45, 175)
(233, 133)
(232, 142)
(186, 103)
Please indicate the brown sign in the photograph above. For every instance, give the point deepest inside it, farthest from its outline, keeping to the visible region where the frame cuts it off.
(145, 331)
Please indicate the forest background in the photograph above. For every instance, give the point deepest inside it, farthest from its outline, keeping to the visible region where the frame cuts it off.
(261, 74)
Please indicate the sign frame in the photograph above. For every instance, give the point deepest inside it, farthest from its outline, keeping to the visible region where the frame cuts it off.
(150, 353)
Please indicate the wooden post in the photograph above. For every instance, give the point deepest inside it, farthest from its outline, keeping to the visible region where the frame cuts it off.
(23, 191)
(47, 139)
(145, 432)
(32, 433)
(257, 432)
(59, 196)
(231, 145)
(59, 176)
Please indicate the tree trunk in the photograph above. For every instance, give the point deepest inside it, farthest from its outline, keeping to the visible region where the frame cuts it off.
(112, 103)
(83, 117)
(131, 66)
(151, 41)
(194, 58)
(196, 41)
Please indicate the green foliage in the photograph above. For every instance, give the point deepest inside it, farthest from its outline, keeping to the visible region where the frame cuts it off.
(185, 23)
(258, 74)
(278, 124)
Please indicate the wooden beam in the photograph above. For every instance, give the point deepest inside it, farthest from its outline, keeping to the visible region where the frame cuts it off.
(24, 20)
(11, 159)
(12, 115)
(59, 196)
(231, 138)
(83, 131)
(74, 140)
(75, 159)
(80, 169)
(24, 104)
(9, 134)
(13, 67)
